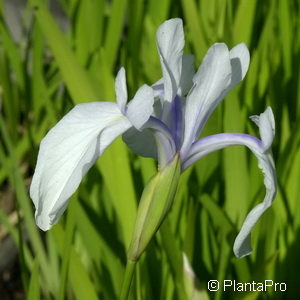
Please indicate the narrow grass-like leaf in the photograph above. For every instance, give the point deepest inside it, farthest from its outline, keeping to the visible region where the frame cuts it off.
(194, 28)
(284, 17)
(244, 20)
(72, 72)
(34, 284)
(235, 163)
(114, 31)
(78, 277)
(68, 239)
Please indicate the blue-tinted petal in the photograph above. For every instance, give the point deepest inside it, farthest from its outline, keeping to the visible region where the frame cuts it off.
(165, 143)
(215, 142)
(218, 74)
(210, 82)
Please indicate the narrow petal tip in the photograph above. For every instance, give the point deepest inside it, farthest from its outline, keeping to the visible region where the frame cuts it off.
(241, 251)
(242, 243)
(168, 25)
(266, 123)
(121, 89)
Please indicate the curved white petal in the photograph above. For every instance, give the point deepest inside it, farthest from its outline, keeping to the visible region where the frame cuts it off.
(266, 124)
(141, 142)
(218, 74)
(215, 142)
(170, 43)
(210, 82)
(121, 89)
(242, 244)
(68, 151)
(141, 106)
(187, 74)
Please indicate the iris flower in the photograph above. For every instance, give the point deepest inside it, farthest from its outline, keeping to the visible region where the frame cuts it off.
(161, 121)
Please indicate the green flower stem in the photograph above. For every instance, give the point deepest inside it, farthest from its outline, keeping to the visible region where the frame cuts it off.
(129, 271)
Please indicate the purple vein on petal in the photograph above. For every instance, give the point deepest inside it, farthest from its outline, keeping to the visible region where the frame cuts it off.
(176, 121)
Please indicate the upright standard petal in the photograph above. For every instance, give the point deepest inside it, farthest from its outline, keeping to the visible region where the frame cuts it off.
(211, 80)
(121, 90)
(170, 43)
(68, 151)
(223, 81)
(187, 74)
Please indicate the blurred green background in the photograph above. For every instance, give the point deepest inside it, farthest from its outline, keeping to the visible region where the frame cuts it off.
(68, 52)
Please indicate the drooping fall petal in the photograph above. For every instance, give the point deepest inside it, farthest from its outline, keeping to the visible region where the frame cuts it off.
(68, 151)
(215, 142)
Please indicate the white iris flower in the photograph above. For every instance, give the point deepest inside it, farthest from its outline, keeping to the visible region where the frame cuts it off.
(160, 121)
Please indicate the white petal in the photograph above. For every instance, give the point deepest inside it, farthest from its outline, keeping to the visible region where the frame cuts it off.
(210, 82)
(155, 140)
(266, 124)
(121, 89)
(239, 59)
(158, 88)
(242, 244)
(141, 106)
(170, 43)
(225, 80)
(140, 142)
(187, 74)
(215, 142)
(68, 151)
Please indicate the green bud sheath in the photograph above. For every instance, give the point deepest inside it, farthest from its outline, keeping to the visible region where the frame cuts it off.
(155, 203)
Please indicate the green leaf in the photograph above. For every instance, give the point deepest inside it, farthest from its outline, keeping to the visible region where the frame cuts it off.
(192, 20)
(34, 284)
(244, 21)
(74, 75)
(235, 163)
